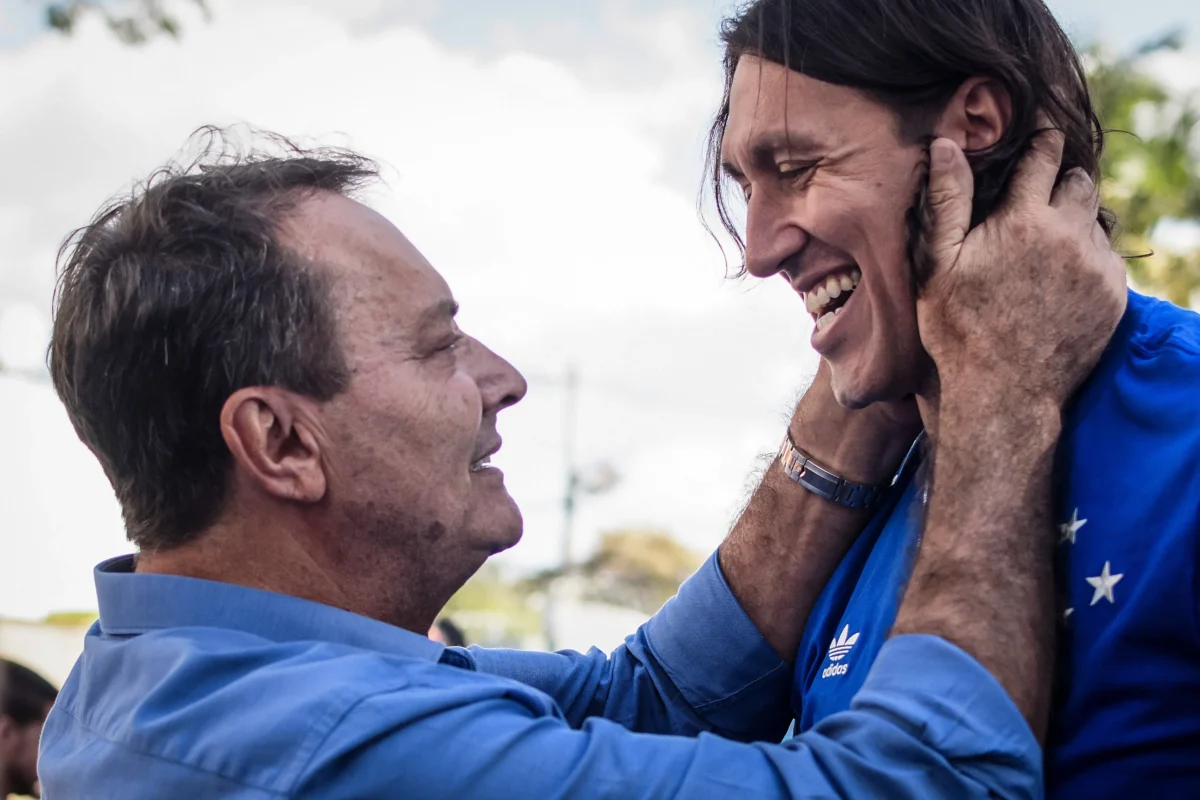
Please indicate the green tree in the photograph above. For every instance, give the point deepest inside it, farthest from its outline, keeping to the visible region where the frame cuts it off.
(1150, 169)
(132, 24)
(637, 568)
(494, 610)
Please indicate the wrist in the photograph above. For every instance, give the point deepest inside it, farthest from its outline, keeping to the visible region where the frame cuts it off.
(854, 443)
(1005, 418)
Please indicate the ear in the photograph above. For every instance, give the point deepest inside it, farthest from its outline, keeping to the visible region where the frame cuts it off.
(273, 436)
(977, 115)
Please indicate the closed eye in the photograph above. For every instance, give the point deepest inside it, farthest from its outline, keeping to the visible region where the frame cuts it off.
(795, 170)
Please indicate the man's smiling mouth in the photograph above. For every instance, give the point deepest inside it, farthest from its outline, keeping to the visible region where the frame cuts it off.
(826, 299)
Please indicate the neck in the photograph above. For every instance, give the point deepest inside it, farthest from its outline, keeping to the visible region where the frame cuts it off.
(287, 554)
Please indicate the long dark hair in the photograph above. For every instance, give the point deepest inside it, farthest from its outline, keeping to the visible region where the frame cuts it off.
(912, 55)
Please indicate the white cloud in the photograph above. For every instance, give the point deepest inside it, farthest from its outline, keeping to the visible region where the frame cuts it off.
(539, 195)
(23, 334)
(1179, 70)
(58, 516)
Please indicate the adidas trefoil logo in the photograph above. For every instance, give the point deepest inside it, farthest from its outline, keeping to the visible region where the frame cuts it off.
(839, 648)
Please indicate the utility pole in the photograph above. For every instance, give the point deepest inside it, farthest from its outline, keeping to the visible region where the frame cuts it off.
(593, 479)
(570, 411)
(570, 417)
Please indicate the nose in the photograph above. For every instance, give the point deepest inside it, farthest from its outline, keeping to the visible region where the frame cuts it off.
(772, 238)
(500, 384)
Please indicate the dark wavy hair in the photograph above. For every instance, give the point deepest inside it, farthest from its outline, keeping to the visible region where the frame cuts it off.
(25, 696)
(912, 55)
(175, 296)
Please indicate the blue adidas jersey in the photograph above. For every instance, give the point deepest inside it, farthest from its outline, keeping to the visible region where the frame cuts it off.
(1127, 490)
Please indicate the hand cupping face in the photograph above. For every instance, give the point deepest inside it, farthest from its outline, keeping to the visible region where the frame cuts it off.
(1022, 305)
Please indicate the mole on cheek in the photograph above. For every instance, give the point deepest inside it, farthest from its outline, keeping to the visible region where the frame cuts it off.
(435, 531)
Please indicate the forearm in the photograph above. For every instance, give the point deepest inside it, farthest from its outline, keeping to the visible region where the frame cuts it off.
(669, 676)
(984, 579)
(787, 542)
(928, 723)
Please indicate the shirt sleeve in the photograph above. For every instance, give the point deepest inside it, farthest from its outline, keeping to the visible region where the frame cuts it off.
(699, 664)
(929, 723)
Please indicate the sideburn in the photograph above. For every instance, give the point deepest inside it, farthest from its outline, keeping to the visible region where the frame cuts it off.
(918, 221)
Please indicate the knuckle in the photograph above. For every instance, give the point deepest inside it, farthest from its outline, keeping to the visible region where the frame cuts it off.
(940, 196)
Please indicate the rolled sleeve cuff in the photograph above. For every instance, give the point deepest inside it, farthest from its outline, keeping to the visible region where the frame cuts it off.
(719, 661)
(949, 701)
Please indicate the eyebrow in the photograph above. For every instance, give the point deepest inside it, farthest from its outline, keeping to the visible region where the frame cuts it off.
(439, 311)
(762, 152)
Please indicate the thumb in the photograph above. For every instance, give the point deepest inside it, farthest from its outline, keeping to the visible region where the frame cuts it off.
(951, 192)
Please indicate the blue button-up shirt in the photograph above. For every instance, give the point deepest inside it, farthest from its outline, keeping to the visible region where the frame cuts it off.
(194, 689)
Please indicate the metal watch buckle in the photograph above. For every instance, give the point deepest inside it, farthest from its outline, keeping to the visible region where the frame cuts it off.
(825, 483)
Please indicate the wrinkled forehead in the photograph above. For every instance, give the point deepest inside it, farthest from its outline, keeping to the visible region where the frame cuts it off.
(761, 95)
(774, 108)
(373, 268)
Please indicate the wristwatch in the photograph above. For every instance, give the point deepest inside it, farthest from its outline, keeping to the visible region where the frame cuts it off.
(824, 483)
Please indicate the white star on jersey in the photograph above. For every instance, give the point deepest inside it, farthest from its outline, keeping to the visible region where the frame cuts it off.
(1070, 528)
(1104, 583)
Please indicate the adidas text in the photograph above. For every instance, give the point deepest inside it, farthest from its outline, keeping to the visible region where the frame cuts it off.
(835, 669)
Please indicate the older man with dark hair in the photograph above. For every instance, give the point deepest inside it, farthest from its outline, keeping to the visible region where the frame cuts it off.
(25, 700)
(299, 435)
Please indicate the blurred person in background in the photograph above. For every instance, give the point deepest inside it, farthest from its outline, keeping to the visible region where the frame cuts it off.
(830, 109)
(25, 700)
(447, 633)
(299, 436)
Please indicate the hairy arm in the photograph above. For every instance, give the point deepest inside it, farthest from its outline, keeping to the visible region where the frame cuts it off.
(984, 579)
(787, 542)
(1011, 342)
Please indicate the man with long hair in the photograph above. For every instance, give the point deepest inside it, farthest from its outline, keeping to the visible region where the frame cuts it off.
(833, 111)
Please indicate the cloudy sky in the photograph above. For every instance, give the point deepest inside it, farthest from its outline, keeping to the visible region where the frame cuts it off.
(544, 155)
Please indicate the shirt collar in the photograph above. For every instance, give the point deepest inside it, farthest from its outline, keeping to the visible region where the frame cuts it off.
(134, 603)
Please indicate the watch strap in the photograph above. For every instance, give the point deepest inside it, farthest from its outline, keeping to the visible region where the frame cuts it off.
(825, 483)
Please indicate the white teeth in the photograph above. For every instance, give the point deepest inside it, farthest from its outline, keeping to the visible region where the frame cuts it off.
(481, 463)
(832, 288)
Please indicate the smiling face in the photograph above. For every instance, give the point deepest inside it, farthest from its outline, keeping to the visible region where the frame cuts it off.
(406, 447)
(828, 179)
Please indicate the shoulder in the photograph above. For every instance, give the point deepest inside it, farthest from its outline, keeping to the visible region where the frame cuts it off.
(1148, 377)
(1164, 330)
(247, 709)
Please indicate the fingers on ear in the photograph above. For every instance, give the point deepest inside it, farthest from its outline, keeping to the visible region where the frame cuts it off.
(951, 194)
(1037, 173)
(1077, 193)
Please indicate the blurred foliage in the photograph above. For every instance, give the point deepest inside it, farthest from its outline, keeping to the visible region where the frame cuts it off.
(131, 22)
(1150, 170)
(632, 568)
(70, 619)
(494, 610)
